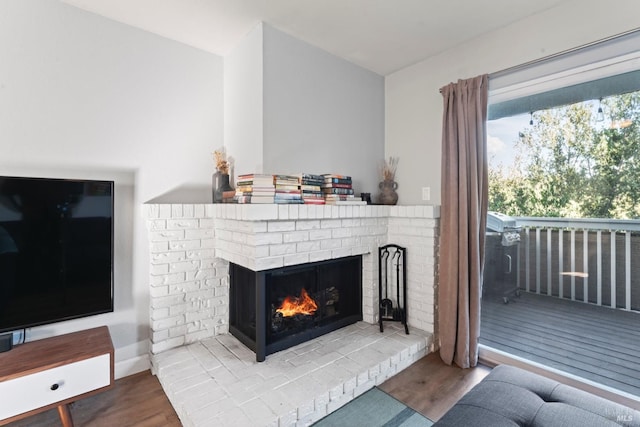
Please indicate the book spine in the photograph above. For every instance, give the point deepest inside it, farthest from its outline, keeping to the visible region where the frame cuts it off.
(337, 190)
(334, 185)
(250, 176)
(339, 197)
(287, 187)
(255, 193)
(290, 178)
(305, 187)
(310, 176)
(288, 201)
(336, 176)
(288, 196)
(337, 181)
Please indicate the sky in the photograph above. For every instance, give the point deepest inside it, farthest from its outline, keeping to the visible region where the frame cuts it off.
(501, 137)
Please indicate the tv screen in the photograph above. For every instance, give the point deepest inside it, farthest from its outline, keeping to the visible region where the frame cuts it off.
(56, 250)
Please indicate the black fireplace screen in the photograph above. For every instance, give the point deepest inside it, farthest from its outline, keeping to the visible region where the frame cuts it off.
(287, 306)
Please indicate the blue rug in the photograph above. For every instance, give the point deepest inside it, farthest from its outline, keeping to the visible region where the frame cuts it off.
(374, 408)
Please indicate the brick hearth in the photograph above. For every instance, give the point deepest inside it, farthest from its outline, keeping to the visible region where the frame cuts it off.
(217, 382)
(190, 250)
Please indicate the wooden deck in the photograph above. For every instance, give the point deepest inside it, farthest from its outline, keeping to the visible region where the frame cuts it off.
(596, 343)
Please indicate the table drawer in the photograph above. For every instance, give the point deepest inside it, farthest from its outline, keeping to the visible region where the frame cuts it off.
(43, 388)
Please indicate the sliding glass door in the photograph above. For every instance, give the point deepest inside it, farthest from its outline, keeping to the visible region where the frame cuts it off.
(562, 282)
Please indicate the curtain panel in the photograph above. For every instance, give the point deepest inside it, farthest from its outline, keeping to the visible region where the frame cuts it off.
(463, 218)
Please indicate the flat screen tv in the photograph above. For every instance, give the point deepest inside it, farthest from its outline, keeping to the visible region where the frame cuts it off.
(56, 250)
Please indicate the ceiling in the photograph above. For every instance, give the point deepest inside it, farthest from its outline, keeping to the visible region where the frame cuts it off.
(380, 35)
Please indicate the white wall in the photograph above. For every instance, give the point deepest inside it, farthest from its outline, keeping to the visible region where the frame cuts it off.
(413, 103)
(322, 114)
(85, 97)
(291, 107)
(243, 104)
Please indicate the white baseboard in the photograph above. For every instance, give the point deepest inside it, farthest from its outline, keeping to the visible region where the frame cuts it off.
(132, 366)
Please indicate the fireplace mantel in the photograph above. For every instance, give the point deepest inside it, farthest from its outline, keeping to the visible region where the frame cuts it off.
(191, 246)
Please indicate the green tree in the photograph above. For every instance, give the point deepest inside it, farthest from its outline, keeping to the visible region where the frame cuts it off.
(616, 184)
(570, 165)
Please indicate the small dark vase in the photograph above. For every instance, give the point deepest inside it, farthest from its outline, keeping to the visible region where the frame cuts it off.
(222, 190)
(388, 195)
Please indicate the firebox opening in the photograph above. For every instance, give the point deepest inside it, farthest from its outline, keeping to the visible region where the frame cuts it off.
(303, 305)
(286, 306)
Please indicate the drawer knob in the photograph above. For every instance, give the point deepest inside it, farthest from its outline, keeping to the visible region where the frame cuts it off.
(55, 386)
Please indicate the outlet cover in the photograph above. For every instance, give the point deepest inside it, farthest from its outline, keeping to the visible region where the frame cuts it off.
(426, 193)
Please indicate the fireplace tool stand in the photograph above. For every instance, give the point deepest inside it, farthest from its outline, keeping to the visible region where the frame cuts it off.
(392, 268)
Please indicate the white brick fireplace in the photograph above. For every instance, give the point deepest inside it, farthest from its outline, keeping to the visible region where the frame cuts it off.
(191, 247)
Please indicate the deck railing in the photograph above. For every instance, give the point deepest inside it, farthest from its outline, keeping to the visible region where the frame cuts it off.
(589, 260)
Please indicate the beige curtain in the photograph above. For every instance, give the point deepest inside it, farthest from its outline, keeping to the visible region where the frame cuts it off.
(463, 218)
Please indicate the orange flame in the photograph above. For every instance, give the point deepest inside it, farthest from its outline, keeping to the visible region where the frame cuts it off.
(300, 305)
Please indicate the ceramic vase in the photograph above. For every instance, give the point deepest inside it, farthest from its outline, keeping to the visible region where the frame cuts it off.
(388, 195)
(222, 189)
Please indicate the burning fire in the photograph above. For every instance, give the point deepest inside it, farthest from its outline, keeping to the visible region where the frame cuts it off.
(303, 304)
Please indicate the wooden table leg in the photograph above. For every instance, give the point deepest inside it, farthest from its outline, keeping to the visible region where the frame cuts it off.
(65, 415)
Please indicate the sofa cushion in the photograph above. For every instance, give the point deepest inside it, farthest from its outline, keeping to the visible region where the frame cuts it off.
(511, 396)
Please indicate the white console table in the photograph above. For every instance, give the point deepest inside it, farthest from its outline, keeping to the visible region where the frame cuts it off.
(54, 372)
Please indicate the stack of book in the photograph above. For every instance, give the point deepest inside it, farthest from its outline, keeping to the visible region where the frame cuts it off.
(287, 189)
(311, 187)
(338, 190)
(254, 188)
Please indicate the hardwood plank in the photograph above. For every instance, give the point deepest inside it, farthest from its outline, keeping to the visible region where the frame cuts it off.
(136, 400)
(431, 387)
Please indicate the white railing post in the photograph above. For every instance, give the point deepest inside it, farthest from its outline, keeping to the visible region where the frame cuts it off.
(627, 271)
(585, 265)
(599, 263)
(527, 263)
(537, 260)
(560, 266)
(573, 264)
(613, 303)
(549, 285)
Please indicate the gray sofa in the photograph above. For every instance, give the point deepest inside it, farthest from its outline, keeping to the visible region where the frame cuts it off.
(510, 396)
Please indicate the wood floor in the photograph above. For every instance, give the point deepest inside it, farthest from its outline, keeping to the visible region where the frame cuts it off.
(428, 386)
(431, 387)
(597, 343)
